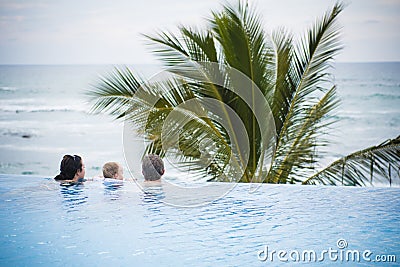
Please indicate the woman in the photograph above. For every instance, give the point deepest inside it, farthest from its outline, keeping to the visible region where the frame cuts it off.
(72, 170)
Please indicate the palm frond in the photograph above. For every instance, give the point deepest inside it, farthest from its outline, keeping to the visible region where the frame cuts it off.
(284, 85)
(317, 48)
(377, 165)
(311, 60)
(245, 48)
(200, 45)
(169, 49)
(244, 44)
(112, 95)
(299, 150)
(193, 45)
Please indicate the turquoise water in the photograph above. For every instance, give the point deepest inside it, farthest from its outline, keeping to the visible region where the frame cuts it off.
(44, 114)
(43, 224)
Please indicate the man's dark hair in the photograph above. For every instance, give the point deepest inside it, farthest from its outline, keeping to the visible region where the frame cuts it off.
(152, 167)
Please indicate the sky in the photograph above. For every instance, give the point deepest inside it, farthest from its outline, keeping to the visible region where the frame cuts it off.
(110, 32)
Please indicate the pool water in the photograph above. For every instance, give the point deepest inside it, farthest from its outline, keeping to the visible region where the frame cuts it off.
(43, 224)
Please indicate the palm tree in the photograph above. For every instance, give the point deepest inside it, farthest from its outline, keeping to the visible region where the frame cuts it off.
(291, 76)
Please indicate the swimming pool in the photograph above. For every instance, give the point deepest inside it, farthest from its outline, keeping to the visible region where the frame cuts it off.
(93, 225)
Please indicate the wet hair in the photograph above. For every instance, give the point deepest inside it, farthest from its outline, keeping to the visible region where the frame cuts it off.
(110, 169)
(152, 167)
(69, 166)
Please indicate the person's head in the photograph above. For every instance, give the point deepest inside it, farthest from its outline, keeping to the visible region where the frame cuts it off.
(71, 168)
(152, 167)
(113, 170)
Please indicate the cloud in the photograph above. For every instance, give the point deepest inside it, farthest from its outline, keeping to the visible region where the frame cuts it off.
(21, 5)
(372, 21)
(11, 18)
(103, 31)
(391, 2)
(8, 23)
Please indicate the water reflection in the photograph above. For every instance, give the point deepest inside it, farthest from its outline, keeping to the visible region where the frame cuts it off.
(152, 193)
(112, 190)
(73, 196)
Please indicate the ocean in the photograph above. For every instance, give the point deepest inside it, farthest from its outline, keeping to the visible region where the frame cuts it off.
(44, 114)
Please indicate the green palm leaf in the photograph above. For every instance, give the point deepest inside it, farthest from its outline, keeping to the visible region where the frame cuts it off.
(284, 85)
(375, 165)
(168, 48)
(292, 161)
(297, 140)
(246, 49)
(112, 95)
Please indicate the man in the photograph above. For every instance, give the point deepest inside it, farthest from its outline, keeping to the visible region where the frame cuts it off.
(152, 168)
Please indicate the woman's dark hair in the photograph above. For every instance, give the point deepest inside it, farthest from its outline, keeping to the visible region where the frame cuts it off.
(69, 166)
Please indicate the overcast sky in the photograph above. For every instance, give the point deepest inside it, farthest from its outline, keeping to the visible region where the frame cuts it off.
(108, 32)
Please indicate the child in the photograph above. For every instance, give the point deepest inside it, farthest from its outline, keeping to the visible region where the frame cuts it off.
(113, 174)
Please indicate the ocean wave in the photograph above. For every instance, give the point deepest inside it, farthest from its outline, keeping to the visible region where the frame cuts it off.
(383, 96)
(367, 113)
(377, 85)
(34, 109)
(7, 88)
(19, 133)
(22, 105)
(33, 148)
